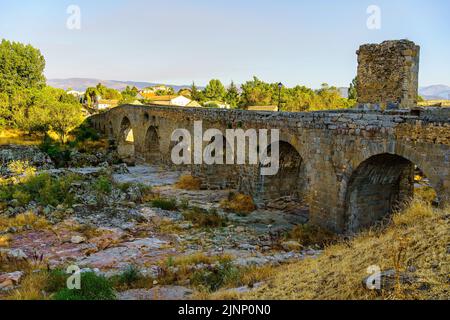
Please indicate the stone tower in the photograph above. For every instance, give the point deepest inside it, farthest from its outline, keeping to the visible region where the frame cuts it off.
(388, 74)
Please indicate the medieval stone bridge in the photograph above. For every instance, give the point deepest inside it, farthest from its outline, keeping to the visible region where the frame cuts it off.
(351, 167)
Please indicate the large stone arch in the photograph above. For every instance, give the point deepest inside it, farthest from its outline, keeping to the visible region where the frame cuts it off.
(380, 185)
(288, 187)
(125, 141)
(152, 149)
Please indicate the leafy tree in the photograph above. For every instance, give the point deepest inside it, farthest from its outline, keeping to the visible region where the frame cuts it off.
(352, 92)
(65, 117)
(232, 95)
(21, 67)
(256, 92)
(215, 90)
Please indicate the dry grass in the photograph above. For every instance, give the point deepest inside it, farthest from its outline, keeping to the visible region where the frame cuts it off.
(308, 235)
(24, 219)
(31, 287)
(198, 258)
(239, 203)
(4, 241)
(427, 194)
(416, 238)
(189, 183)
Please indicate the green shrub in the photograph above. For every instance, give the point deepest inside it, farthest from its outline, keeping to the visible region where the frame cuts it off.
(56, 281)
(205, 218)
(59, 153)
(83, 133)
(129, 276)
(165, 204)
(103, 185)
(214, 278)
(42, 188)
(93, 287)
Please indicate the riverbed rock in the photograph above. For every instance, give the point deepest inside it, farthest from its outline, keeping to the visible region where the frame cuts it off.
(157, 293)
(9, 280)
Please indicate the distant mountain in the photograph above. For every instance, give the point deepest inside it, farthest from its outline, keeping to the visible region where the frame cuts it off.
(435, 92)
(81, 84)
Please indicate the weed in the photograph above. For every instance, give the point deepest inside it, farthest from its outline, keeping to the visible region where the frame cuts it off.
(165, 204)
(93, 287)
(309, 235)
(205, 218)
(189, 183)
(238, 203)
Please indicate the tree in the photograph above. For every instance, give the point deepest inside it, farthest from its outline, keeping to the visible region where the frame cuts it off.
(256, 92)
(21, 67)
(232, 95)
(64, 118)
(215, 90)
(352, 92)
(91, 95)
(195, 93)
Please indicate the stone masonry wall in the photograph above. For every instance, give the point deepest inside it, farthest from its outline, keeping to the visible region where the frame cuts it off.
(388, 74)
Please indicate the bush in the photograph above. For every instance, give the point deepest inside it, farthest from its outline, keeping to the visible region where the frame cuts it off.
(103, 185)
(214, 278)
(43, 188)
(238, 203)
(165, 204)
(205, 218)
(93, 287)
(308, 235)
(130, 275)
(59, 154)
(189, 183)
(56, 280)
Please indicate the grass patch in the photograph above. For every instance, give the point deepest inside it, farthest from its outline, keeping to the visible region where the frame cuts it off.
(31, 287)
(189, 183)
(425, 193)
(93, 287)
(238, 203)
(28, 219)
(205, 218)
(308, 235)
(165, 204)
(42, 188)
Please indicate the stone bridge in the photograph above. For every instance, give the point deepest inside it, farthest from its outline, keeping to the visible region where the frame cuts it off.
(351, 167)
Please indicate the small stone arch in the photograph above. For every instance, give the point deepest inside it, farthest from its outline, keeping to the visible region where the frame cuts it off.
(110, 130)
(152, 149)
(126, 147)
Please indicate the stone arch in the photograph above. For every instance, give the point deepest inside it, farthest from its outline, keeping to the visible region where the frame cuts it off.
(152, 145)
(126, 147)
(110, 130)
(288, 187)
(380, 185)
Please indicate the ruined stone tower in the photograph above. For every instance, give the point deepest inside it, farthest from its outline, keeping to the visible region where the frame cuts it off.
(388, 74)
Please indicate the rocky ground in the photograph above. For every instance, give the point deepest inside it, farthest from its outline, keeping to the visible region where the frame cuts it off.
(109, 231)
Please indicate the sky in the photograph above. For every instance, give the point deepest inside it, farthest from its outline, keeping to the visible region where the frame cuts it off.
(181, 41)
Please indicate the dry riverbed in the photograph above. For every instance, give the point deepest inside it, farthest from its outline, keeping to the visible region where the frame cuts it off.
(127, 231)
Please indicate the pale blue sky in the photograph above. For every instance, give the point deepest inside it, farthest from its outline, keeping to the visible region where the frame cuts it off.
(178, 41)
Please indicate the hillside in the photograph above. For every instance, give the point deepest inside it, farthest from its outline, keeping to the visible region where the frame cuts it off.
(435, 92)
(415, 243)
(80, 84)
